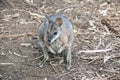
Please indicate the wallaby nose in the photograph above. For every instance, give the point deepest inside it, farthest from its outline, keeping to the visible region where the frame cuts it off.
(48, 40)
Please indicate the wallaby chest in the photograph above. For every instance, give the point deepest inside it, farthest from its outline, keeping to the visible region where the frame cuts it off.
(56, 45)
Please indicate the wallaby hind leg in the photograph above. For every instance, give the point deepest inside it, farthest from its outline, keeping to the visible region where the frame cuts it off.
(45, 54)
(68, 57)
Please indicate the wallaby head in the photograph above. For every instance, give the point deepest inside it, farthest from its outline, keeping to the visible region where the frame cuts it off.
(54, 29)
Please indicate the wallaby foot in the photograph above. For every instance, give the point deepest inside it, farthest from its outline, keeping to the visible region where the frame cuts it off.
(68, 57)
(68, 66)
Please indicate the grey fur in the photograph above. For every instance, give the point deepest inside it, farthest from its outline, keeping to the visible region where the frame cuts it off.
(58, 42)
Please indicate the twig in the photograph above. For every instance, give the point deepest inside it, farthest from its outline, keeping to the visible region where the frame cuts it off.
(56, 58)
(26, 44)
(114, 75)
(16, 35)
(101, 78)
(109, 46)
(36, 58)
(114, 18)
(7, 64)
(98, 75)
(111, 71)
(104, 22)
(53, 67)
(63, 74)
(92, 61)
(19, 55)
(95, 51)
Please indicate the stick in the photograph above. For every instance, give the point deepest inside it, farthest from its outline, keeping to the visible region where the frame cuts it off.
(111, 71)
(16, 35)
(6, 63)
(36, 58)
(53, 67)
(94, 51)
(63, 74)
(19, 55)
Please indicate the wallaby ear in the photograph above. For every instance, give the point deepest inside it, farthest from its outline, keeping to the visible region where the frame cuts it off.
(59, 21)
(48, 18)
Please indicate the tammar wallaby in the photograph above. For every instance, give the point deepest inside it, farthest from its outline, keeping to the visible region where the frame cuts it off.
(55, 35)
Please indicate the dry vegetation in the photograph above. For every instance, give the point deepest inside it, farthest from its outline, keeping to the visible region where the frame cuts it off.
(96, 51)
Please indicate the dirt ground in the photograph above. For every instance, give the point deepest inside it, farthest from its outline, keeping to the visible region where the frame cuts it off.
(96, 50)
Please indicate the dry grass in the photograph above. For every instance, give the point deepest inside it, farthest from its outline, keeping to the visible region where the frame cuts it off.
(96, 50)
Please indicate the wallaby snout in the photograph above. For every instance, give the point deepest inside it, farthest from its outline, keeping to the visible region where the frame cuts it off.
(56, 35)
(52, 36)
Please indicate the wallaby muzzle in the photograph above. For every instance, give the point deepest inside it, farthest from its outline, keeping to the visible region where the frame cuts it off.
(52, 38)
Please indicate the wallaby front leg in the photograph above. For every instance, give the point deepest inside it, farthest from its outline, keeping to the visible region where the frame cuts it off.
(68, 57)
(45, 54)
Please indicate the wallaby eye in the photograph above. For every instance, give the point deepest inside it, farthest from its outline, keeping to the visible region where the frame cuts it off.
(55, 33)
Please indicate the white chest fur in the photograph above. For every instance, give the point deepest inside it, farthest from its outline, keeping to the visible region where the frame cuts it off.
(56, 45)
